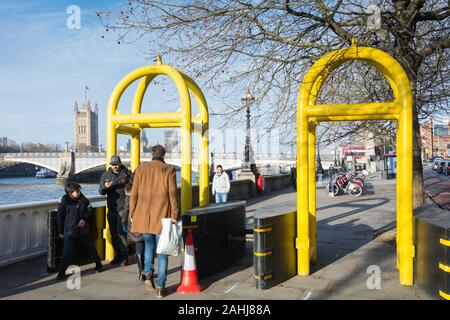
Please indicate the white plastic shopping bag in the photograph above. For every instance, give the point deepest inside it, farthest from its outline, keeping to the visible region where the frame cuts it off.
(171, 239)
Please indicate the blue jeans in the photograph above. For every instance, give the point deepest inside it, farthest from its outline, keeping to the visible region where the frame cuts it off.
(151, 242)
(221, 197)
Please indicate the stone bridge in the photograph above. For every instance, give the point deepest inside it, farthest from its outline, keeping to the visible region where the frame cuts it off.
(72, 163)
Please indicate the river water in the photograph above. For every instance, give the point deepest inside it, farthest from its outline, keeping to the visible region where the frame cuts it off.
(30, 189)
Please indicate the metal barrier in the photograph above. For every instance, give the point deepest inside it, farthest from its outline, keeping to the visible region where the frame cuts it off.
(218, 231)
(274, 254)
(432, 261)
(132, 124)
(310, 114)
(23, 229)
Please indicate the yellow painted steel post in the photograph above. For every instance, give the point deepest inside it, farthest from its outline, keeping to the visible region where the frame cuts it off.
(140, 92)
(398, 196)
(135, 153)
(111, 149)
(204, 167)
(186, 152)
(312, 189)
(406, 222)
(186, 167)
(204, 140)
(302, 241)
(400, 206)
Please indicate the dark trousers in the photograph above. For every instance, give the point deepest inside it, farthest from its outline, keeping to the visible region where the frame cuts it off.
(294, 184)
(118, 236)
(140, 246)
(67, 251)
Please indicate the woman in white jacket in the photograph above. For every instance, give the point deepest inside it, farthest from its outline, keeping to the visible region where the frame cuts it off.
(221, 185)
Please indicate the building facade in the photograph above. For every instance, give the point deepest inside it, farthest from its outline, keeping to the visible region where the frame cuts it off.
(435, 140)
(171, 140)
(86, 127)
(3, 142)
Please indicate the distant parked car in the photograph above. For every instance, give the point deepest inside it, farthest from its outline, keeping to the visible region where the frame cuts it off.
(441, 165)
(435, 163)
(446, 169)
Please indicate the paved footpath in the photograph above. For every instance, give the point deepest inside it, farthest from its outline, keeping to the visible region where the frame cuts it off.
(352, 234)
(437, 187)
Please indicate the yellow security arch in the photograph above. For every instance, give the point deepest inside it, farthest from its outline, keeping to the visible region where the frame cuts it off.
(309, 115)
(132, 124)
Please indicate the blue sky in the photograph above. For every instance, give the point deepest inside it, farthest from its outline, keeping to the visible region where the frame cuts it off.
(44, 67)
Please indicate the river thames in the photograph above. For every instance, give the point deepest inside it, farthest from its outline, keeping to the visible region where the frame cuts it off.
(30, 189)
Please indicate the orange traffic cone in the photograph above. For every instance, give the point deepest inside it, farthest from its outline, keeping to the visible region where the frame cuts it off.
(189, 280)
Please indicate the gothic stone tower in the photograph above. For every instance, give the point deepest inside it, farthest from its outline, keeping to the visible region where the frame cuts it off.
(86, 127)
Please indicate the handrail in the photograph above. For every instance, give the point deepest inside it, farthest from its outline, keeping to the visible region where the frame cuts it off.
(34, 204)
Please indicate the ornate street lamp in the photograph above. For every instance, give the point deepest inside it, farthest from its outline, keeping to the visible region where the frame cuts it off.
(248, 99)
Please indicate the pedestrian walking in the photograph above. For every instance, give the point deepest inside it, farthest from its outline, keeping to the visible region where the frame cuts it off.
(154, 197)
(221, 185)
(293, 177)
(112, 184)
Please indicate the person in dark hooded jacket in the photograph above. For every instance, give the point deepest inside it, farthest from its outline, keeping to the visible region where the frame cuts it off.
(74, 213)
(112, 184)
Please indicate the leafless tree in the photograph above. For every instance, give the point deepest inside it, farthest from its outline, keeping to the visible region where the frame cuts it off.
(268, 45)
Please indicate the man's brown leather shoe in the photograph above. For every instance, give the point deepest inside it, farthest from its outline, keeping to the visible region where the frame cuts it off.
(160, 292)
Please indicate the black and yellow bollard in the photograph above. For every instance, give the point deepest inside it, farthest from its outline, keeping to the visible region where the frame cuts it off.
(262, 253)
(432, 259)
(444, 268)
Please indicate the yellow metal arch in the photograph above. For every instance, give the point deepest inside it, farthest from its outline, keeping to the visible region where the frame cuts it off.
(309, 115)
(132, 124)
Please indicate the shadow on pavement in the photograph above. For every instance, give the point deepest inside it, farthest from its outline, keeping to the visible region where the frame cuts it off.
(27, 275)
(336, 240)
(268, 196)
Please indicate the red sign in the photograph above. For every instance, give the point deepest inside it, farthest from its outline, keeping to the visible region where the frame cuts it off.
(356, 151)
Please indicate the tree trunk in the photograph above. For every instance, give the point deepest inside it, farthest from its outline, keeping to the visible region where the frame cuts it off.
(418, 190)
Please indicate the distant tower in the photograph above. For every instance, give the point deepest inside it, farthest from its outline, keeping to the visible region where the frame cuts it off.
(171, 140)
(129, 145)
(86, 127)
(144, 142)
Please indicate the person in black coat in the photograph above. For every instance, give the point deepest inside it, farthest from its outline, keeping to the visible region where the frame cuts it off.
(74, 213)
(293, 177)
(112, 184)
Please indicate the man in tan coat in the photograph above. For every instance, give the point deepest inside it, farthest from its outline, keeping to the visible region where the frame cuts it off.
(153, 197)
